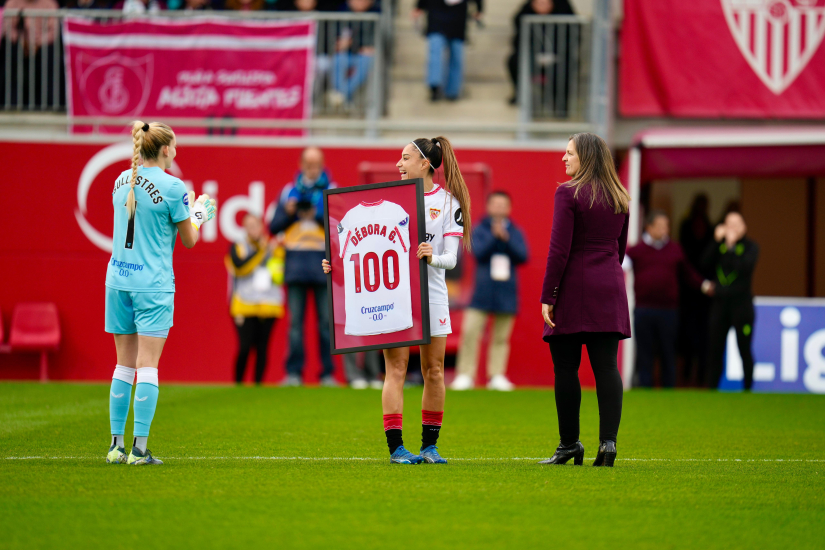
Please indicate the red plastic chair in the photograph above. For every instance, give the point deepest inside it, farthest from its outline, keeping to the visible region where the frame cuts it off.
(35, 327)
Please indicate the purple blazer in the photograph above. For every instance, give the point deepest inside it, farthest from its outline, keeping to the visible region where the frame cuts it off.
(584, 279)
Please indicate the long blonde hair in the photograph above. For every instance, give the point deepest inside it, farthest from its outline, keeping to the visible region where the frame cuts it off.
(440, 151)
(147, 139)
(597, 170)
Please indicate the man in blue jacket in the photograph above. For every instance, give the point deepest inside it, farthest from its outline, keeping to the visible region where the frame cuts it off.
(499, 247)
(300, 216)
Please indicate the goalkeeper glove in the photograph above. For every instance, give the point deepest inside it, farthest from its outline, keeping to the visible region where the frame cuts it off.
(201, 210)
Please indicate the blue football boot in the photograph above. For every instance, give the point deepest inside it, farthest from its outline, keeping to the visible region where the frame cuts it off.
(431, 456)
(403, 456)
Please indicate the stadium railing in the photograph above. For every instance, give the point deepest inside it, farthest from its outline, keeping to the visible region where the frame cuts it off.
(563, 73)
(34, 77)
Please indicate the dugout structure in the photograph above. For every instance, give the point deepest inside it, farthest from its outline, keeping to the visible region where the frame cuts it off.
(740, 152)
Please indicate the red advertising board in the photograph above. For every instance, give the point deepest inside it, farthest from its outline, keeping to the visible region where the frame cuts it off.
(59, 222)
(723, 59)
(203, 68)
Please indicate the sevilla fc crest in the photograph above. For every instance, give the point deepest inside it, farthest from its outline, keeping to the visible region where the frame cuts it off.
(777, 37)
(434, 213)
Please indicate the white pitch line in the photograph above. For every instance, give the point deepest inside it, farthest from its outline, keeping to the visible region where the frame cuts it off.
(368, 459)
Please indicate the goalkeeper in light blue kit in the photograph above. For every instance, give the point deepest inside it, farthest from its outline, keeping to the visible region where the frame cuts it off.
(151, 209)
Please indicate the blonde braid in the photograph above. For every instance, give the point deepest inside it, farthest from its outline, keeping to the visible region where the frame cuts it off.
(137, 139)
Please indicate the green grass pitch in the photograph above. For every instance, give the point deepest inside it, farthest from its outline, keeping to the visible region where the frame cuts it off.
(695, 470)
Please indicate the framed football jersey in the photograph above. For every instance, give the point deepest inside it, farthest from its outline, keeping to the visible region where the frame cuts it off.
(378, 294)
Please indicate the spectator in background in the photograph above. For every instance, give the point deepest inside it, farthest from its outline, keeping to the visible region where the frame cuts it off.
(244, 5)
(37, 44)
(195, 5)
(446, 31)
(368, 376)
(732, 257)
(308, 5)
(88, 4)
(139, 7)
(657, 264)
(355, 50)
(256, 266)
(300, 216)
(695, 233)
(499, 247)
(542, 59)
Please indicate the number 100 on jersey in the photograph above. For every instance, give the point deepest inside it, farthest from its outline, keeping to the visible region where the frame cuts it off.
(378, 288)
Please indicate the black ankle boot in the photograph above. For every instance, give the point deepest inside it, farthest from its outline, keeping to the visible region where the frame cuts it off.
(606, 455)
(564, 453)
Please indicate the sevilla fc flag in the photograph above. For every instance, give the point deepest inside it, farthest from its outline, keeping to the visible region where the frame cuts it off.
(723, 58)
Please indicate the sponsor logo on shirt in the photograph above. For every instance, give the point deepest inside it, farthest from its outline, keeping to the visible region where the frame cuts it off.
(340, 228)
(186, 199)
(459, 217)
(377, 312)
(429, 237)
(434, 213)
(404, 221)
(443, 321)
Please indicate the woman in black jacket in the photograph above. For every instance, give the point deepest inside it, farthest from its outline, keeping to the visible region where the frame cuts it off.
(446, 30)
(537, 7)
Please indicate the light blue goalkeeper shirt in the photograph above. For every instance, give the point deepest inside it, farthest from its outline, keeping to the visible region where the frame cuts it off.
(142, 247)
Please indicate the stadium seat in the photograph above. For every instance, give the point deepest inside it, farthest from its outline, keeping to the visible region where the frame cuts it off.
(35, 327)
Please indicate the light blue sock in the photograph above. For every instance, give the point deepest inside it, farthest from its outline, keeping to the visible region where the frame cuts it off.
(146, 400)
(120, 394)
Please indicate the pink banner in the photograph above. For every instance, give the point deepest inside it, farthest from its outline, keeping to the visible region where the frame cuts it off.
(723, 58)
(206, 68)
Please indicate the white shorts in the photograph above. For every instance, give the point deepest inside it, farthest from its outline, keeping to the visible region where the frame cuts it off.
(440, 320)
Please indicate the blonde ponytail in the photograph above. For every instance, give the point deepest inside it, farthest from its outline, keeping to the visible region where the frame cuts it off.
(137, 139)
(148, 140)
(454, 183)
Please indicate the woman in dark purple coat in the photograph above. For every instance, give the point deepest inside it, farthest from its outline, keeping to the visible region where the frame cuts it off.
(583, 299)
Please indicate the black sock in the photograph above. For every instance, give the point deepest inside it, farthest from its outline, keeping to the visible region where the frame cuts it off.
(393, 439)
(430, 427)
(429, 435)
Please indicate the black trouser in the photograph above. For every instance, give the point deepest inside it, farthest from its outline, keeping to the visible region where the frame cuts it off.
(725, 313)
(694, 309)
(656, 331)
(254, 331)
(603, 349)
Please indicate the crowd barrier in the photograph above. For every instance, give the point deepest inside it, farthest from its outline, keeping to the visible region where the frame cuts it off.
(348, 47)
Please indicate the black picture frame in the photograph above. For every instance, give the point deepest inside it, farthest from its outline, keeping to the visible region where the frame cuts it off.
(422, 266)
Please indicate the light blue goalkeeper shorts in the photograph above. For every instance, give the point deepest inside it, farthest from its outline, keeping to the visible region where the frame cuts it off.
(147, 313)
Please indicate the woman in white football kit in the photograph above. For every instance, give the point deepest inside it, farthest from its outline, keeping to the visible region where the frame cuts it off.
(447, 213)
(151, 209)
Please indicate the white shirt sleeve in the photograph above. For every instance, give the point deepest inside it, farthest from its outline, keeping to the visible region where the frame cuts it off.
(450, 256)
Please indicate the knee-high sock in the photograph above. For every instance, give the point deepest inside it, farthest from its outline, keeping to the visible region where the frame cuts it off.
(430, 427)
(392, 429)
(120, 394)
(146, 400)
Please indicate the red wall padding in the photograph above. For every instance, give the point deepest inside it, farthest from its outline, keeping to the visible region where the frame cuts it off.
(44, 255)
